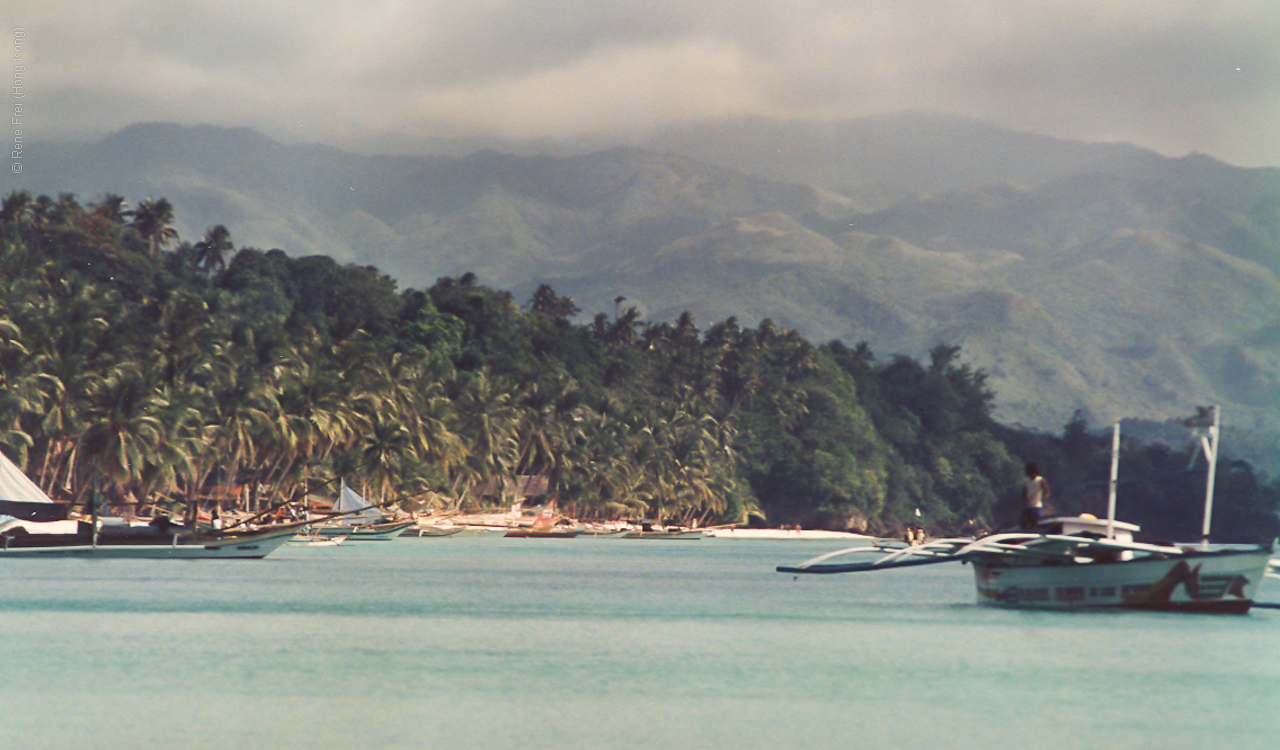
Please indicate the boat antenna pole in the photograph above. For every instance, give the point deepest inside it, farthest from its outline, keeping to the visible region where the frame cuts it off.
(1115, 472)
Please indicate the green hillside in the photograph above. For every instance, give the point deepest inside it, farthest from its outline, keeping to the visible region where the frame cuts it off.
(156, 368)
(1101, 278)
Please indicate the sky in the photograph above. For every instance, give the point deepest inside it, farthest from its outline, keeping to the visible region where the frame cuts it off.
(1176, 76)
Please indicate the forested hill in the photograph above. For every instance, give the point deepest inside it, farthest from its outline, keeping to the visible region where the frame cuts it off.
(162, 367)
(1078, 276)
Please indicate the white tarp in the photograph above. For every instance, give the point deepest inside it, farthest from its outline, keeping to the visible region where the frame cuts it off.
(15, 487)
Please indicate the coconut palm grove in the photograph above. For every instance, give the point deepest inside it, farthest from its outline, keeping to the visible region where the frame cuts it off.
(159, 373)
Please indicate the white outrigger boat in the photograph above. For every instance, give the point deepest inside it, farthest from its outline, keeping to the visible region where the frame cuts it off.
(40, 529)
(175, 543)
(1085, 562)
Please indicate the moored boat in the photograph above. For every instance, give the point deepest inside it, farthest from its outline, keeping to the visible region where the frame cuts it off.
(1083, 562)
(360, 521)
(142, 542)
(534, 533)
(371, 532)
(40, 529)
(314, 540)
(434, 531)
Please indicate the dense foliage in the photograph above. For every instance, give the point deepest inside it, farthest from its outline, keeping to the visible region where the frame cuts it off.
(160, 370)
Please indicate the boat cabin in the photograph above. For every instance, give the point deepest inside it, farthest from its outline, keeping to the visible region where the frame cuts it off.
(1087, 526)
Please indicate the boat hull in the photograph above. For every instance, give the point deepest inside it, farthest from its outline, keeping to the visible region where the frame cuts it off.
(533, 534)
(674, 535)
(1222, 582)
(436, 531)
(370, 533)
(240, 547)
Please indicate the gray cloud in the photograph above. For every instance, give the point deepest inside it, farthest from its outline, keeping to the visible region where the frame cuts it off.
(1174, 75)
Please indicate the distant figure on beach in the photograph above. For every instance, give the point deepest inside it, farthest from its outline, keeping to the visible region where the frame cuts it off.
(1035, 491)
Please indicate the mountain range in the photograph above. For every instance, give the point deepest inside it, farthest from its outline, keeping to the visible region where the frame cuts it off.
(1095, 277)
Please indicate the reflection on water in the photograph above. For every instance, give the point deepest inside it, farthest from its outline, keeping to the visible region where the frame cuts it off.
(465, 642)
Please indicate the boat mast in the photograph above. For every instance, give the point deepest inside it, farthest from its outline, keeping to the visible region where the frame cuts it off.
(1210, 446)
(93, 516)
(1115, 471)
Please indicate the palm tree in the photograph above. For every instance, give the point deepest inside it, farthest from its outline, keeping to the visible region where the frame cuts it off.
(485, 423)
(112, 209)
(550, 423)
(153, 220)
(212, 251)
(123, 430)
(385, 452)
(17, 210)
(20, 393)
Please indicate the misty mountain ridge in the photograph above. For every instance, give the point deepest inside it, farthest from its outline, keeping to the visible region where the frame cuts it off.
(1098, 277)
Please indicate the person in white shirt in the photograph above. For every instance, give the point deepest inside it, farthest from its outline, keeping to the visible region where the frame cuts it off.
(1035, 491)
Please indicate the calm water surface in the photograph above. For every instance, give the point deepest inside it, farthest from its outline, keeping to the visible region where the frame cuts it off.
(484, 642)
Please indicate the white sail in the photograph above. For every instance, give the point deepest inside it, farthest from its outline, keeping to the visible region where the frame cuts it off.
(16, 487)
(350, 502)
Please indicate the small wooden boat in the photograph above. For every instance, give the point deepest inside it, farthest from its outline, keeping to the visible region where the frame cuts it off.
(605, 533)
(545, 526)
(370, 532)
(533, 533)
(421, 531)
(315, 540)
(363, 522)
(681, 534)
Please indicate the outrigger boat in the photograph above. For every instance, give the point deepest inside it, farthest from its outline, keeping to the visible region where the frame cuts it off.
(32, 525)
(1084, 562)
(432, 530)
(545, 527)
(680, 534)
(313, 540)
(142, 542)
(360, 521)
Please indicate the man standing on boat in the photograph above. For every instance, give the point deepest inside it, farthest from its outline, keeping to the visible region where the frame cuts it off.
(1035, 491)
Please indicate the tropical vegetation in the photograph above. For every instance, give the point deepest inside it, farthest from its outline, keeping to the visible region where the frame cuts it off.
(171, 374)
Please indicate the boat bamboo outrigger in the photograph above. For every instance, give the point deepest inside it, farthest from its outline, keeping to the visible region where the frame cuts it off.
(1083, 562)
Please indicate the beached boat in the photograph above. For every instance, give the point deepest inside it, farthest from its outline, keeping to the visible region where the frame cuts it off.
(545, 526)
(1084, 562)
(681, 534)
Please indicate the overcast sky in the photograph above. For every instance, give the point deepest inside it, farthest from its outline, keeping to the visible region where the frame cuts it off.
(1173, 75)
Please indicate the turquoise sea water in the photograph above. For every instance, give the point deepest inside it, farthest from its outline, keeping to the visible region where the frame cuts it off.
(483, 642)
